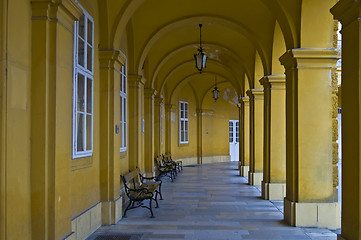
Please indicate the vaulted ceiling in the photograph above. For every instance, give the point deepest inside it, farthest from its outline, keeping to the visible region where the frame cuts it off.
(161, 36)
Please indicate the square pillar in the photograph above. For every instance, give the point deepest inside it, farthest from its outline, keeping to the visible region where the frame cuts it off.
(244, 136)
(255, 174)
(309, 174)
(136, 121)
(158, 125)
(274, 155)
(149, 94)
(348, 13)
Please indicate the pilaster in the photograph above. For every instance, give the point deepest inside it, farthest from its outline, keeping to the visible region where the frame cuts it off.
(255, 174)
(170, 116)
(136, 121)
(149, 94)
(110, 65)
(52, 57)
(158, 125)
(274, 155)
(348, 13)
(244, 136)
(309, 175)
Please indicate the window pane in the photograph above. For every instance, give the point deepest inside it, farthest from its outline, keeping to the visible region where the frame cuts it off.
(80, 132)
(88, 132)
(186, 107)
(186, 113)
(121, 83)
(121, 126)
(186, 136)
(89, 59)
(80, 97)
(81, 52)
(182, 114)
(186, 126)
(182, 136)
(90, 32)
(182, 126)
(121, 110)
(125, 135)
(81, 26)
(89, 96)
(125, 109)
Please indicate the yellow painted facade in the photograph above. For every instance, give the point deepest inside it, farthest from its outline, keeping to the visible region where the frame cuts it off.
(274, 62)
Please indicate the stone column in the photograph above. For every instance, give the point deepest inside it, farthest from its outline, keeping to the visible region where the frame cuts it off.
(110, 65)
(244, 136)
(149, 125)
(158, 125)
(135, 121)
(199, 135)
(348, 13)
(309, 176)
(52, 34)
(255, 174)
(274, 155)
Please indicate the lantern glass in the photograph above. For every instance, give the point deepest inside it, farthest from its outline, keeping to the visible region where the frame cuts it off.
(204, 60)
(199, 60)
(215, 93)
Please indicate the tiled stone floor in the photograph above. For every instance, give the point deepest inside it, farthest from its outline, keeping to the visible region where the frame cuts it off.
(212, 202)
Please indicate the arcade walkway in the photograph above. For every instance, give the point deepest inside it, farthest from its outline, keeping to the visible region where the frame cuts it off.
(210, 202)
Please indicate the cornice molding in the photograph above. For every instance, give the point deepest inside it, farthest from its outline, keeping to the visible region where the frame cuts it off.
(309, 58)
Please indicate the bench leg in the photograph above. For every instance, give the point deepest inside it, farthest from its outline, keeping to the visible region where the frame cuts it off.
(125, 211)
(160, 191)
(150, 208)
(155, 199)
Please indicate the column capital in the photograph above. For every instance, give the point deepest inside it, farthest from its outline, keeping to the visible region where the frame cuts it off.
(346, 11)
(274, 81)
(65, 11)
(150, 92)
(170, 107)
(109, 57)
(204, 112)
(309, 58)
(255, 93)
(136, 81)
(158, 101)
(244, 100)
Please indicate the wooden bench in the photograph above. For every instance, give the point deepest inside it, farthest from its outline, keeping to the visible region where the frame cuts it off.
(138, 191)
(163, 169)
(167, 158)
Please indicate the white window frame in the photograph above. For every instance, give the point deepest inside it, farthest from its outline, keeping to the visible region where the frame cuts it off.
(183, 121)
(123, 101)
(88, 75)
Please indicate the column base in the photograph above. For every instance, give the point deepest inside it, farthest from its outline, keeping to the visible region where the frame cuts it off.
(243, 171)
(112, 211)
(326, 215)
(273, 191)
(255, 178)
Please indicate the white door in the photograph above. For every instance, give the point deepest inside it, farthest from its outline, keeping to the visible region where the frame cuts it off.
(234, 139)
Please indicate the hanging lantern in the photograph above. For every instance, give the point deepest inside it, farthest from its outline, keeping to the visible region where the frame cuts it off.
(200, 57)
(215, 92)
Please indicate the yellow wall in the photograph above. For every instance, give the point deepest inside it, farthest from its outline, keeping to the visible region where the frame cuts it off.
(17, 119)
(215, 129)
(190, 149)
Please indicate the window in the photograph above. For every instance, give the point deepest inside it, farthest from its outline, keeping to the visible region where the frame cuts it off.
(237, 131)
(83, 86)
(231, 132)
(123, 109)
(183, 122)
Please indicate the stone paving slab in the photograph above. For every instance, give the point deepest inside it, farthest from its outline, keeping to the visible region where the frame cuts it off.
(211, 202)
